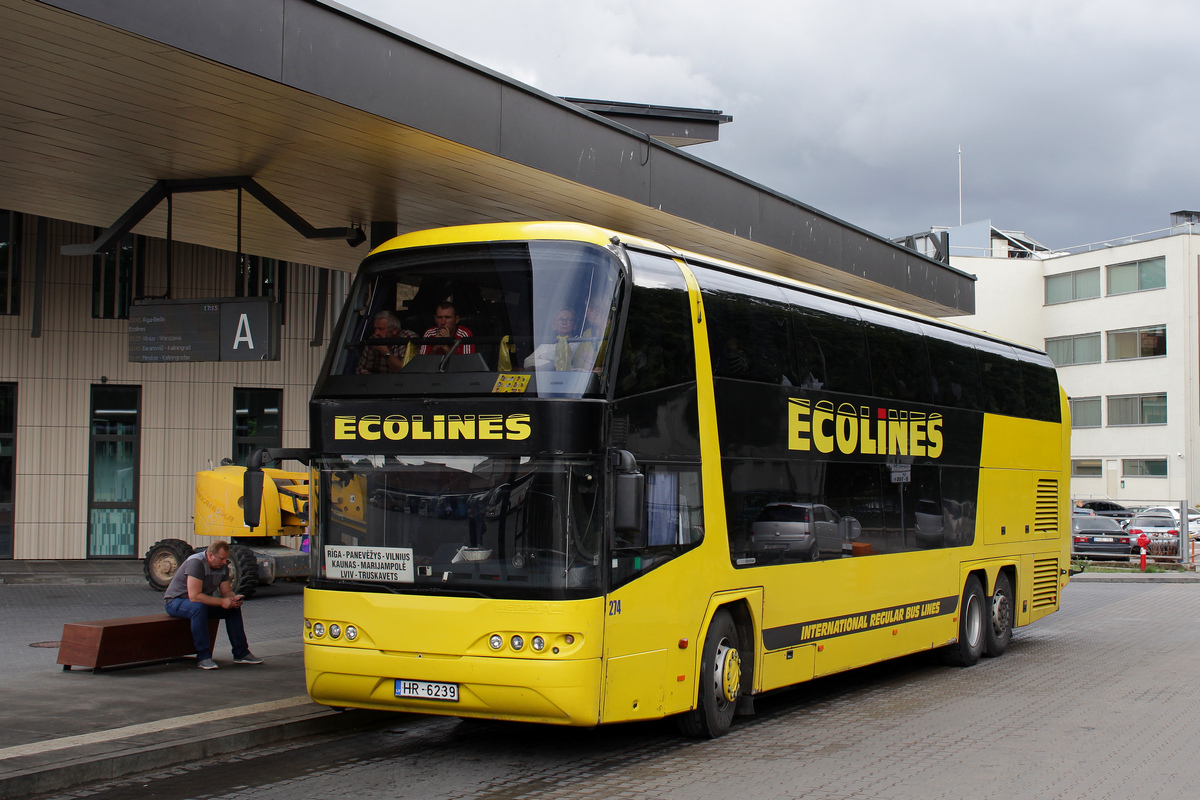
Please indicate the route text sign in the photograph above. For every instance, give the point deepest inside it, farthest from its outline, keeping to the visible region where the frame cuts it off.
(213, 329)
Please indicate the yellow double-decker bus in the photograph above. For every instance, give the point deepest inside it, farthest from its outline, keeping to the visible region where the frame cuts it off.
(569, 476)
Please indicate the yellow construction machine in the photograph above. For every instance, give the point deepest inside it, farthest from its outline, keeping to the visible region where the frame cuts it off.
(257, 555)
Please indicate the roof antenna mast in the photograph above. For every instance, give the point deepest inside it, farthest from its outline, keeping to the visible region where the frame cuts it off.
(960, 186)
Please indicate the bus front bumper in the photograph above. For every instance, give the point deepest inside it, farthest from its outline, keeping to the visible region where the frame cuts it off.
(563, 692)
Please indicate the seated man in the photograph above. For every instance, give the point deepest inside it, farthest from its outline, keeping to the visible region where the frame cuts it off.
(383, 358)
(200, 591)
(559, 354)
(445, 326)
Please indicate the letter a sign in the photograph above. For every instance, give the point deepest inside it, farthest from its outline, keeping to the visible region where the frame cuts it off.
(250, 331)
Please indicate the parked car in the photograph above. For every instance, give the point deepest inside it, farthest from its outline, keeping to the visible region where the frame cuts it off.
(1161, 528)
(1173, 512)
(1096, 536)
(800, 531)
(1105, 508)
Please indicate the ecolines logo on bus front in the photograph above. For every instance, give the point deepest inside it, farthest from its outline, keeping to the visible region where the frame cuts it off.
(438, 426)
(861, 429)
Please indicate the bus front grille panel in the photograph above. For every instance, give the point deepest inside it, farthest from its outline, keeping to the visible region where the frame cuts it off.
(1045, 582)
(1045, 511)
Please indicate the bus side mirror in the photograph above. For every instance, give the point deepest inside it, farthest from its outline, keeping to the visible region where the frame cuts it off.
(630, 500)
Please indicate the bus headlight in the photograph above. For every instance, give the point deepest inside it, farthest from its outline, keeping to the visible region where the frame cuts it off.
(319, 630)
(335, 631)
(497, 641)
(537, 643)
(517, 642)
(351, 633)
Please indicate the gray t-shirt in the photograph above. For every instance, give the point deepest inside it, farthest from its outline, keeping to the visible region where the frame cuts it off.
(196, 566)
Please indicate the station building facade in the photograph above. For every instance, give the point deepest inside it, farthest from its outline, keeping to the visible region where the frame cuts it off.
(98, 453)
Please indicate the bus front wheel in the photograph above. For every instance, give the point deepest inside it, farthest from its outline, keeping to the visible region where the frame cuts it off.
(720, 681)
(972, 619)
(1000, 621)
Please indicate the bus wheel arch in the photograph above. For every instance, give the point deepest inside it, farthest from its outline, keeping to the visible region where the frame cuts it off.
(725, 666)
(1001, 609)
(972, 623)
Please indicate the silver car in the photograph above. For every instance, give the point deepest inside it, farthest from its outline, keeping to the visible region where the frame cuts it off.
(1162, 530)
(800, 531)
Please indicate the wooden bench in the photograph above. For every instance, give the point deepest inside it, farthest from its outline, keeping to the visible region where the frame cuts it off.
(130, 640)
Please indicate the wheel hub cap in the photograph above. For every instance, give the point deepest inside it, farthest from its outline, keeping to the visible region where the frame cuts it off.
(728, 673)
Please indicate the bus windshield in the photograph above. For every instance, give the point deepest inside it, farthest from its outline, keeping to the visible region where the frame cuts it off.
(531, 317)
(510, 526)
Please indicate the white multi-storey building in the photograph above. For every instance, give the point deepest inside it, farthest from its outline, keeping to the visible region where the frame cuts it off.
(1120, 319)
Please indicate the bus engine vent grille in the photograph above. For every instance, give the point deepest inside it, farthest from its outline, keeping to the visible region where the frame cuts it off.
(1045, 512)
(1045, 582)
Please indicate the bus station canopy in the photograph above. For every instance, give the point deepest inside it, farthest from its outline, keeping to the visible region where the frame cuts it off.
(350, 122)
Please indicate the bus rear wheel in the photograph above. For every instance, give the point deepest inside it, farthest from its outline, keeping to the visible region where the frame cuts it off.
(972, 619)
(1000, 621)
(720, 682)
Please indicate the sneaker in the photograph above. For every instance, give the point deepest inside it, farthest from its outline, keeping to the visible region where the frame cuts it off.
(207, 663)
(249, 658)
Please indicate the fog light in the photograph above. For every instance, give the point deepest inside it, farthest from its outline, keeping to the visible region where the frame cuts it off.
(517, 642)
(497, 641)
(351, 632)
(335, 631)
(537, 643)
(569, 639)
(318, 630)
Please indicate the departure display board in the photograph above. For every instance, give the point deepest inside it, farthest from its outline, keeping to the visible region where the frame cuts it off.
(211, 329)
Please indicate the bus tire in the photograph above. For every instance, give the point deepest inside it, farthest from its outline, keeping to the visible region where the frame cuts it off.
(720, 682)
(972, 620)
(1000, 621)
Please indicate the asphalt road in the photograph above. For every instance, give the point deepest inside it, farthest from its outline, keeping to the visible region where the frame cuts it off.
(1097, 701)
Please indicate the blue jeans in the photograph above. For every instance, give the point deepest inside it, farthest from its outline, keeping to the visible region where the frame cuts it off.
(200, 614)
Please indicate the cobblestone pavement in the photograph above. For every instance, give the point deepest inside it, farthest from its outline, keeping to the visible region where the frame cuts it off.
(1098, 701)
(35, 613)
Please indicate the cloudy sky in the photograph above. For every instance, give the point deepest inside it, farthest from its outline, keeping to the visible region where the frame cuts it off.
(1076, 120)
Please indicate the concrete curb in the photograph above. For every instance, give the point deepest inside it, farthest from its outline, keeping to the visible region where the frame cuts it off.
(55, 770)
(1137, 577)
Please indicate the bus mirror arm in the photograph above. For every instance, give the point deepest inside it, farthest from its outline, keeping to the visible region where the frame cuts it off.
(630, 493)
(252, 480)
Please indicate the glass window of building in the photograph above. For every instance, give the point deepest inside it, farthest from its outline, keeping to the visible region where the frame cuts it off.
(1082, 349)
(10, 262)
(1086, 468)
(113, 471)
(1137, 343)
(1143, 467)
(257, 421)
(1138, 409)
(1070, 286)
(8, 464)
(1137, 276)
(118, 277)
(1085, 412)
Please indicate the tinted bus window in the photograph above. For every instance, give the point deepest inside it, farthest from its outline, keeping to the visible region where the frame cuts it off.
(899, 361)
(831, 351)
(1001, 373)
(954, 368)
(657, 349)
(747, 328)
(1039, 383)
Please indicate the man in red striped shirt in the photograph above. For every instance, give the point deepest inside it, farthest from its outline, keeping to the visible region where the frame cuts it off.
(445, 326)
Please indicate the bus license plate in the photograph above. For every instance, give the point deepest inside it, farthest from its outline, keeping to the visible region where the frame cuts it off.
(427, 690)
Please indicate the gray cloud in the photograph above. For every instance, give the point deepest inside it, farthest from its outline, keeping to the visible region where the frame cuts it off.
(1075, 119)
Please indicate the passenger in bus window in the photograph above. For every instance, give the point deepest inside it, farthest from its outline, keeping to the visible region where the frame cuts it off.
(383, 358)
(558, 355)
(445, 326)
(593, 340)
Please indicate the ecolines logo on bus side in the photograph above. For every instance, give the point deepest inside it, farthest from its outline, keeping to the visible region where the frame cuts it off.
(861, 429)
(439, 426)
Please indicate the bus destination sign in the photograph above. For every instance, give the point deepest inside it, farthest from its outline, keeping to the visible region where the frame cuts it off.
(214, 329)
